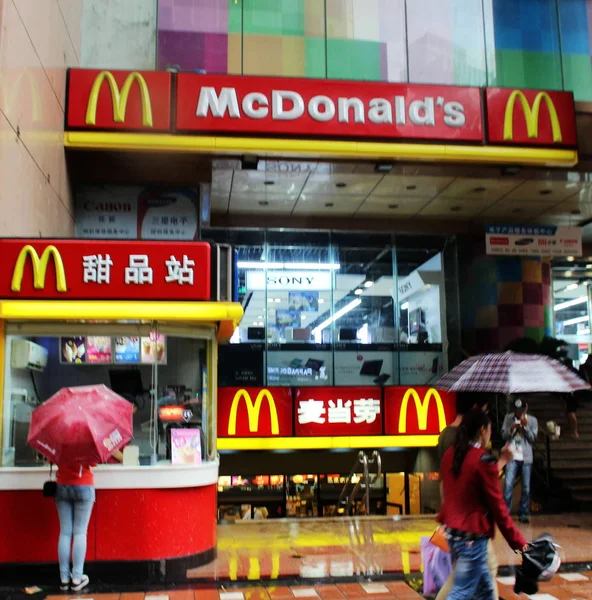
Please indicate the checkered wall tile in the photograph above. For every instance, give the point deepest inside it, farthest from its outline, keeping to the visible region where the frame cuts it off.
(505, 299)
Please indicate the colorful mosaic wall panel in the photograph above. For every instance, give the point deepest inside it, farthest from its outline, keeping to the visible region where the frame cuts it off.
(543, 44)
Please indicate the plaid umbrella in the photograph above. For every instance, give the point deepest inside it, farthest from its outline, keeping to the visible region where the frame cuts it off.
(511, 373)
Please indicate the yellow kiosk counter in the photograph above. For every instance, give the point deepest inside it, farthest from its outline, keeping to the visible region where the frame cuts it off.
(137, 317)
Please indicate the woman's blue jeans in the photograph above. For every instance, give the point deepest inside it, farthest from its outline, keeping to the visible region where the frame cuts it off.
(472, 578)
(74, 504)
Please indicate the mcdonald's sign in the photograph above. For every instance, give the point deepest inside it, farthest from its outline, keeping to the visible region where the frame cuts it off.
(132, 101)
(254, 412)
(39, 266)
(531, 117)
(418, 410)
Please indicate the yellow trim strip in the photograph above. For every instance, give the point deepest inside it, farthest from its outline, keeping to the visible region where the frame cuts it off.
(60, 310)
(146, 142)
(2, 391)
(324, 443)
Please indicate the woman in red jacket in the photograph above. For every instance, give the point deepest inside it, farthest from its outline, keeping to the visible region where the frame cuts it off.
(472, 506)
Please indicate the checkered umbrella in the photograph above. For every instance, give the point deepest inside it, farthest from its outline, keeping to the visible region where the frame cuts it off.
(511, 373)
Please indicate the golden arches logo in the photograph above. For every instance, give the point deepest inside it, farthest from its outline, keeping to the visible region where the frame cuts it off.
(422, 407)
(39, 268)
(531, 116)
(253, 410)
(11, 94)
(119, 98)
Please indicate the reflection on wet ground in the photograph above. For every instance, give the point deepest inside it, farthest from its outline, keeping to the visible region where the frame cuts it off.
(334, 548)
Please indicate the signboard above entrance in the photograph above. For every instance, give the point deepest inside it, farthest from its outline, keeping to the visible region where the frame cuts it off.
(217, 114)
(327, 108)
(104, 270)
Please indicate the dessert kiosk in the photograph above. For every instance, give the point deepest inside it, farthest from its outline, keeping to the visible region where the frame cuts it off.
(138, 317)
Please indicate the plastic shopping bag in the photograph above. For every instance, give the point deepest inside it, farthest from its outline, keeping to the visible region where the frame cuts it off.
(437, 566)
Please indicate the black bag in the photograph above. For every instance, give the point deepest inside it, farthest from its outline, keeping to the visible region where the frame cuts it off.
(540, 562)
(50, 487)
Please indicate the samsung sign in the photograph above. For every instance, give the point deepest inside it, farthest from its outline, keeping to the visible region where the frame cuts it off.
(288, 280)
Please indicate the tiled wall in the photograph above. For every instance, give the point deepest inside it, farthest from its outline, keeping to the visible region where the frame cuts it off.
(39, 39)
(526, 43)
(504, 299)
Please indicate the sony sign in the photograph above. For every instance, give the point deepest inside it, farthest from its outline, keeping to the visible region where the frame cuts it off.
(288, 280)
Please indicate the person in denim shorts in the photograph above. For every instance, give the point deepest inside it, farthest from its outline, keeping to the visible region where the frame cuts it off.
(75, 497)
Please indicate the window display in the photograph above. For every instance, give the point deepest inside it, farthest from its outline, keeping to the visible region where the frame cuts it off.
(169, 397)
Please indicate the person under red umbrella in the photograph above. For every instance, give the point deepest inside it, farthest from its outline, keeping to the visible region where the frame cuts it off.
(76, 429)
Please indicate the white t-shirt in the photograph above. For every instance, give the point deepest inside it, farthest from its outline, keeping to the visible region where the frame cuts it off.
(517, 443)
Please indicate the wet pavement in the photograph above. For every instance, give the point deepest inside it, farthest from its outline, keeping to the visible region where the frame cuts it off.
(337, 548)
(341, 559)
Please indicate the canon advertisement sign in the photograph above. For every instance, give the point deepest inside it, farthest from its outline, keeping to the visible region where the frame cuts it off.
(218, 103)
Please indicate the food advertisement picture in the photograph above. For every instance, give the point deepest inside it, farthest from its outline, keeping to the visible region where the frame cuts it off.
(186, 446)
(98, 349)
(127, 350)
(153, 349)
(72, 350)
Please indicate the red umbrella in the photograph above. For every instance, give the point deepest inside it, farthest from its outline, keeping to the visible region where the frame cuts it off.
(81, 425)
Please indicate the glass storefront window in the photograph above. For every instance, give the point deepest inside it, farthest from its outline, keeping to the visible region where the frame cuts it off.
(163, 373)
(571, 308)
(337, 309)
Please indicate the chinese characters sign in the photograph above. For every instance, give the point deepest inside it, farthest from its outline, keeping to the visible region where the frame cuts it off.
(106, 270)
(338, 411)
(333, 411)
(533, 240)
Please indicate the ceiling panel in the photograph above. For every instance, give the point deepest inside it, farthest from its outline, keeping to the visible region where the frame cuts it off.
(392, 207)
(514, 211)
(276, 183)
(479, 189)
(416, 186)
(572, 209)
(253, 203)
(535, 190)
(457, 208)
(327, 205)
(222, 180)
(342, 184)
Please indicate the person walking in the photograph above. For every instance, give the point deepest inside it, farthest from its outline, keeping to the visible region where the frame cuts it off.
(447, 439)
(520, 430)
(472, 506)
(75, 497)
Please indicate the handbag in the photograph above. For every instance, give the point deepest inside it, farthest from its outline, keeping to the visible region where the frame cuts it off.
(437, 566)
(50, 487)
(440, 540)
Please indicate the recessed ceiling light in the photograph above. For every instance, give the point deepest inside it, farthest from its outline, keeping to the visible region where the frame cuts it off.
(259, 316)
(570, 258)
(270, 299)
(411, 187)
(329, 204)
(368, 284)
(341, 184)
(455, 208)
(588, 266)
(545, 192)
(359, 292)
(577, 211)
(303, 316)
(479, 189)
(393, 206)
(517, 210)
(268, 182)
(263, 203)
(278, 300)
(321, 301)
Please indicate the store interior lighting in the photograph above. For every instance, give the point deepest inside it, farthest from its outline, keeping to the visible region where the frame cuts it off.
(289, 266)
(576, 320)
(405, 306)
(337, 315)
(569, 303)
